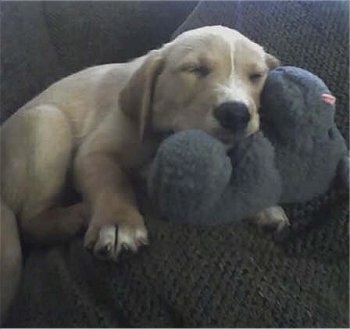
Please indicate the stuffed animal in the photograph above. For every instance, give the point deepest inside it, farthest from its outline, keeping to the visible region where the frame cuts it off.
(298, 118)
(295, 157)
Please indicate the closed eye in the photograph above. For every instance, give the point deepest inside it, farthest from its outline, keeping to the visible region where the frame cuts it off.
(200, 70)
(256, 77)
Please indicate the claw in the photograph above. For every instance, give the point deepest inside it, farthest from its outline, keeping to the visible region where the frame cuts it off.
(103, 251)
(142, 242)
(107, 242)
(125, 246)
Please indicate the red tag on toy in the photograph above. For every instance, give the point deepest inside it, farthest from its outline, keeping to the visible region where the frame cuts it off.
(328, 99)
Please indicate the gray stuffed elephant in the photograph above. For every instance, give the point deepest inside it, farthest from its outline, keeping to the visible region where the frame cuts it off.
(295, 157)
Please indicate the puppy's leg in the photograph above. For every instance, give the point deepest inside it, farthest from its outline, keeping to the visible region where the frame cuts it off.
(54, 225)
(273, 218)
(35, 154)
(116, 223)
(10, 258)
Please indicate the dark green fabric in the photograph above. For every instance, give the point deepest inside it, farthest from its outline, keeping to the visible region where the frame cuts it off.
(232, 275)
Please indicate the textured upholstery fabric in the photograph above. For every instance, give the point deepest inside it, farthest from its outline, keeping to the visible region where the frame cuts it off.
(230, 275)
(43, 41)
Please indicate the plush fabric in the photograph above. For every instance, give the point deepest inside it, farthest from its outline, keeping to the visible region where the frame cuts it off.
(308, 146)
(296, 157)
(194, 180)
(229, 275)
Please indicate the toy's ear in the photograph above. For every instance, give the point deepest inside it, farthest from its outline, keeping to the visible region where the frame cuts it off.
(135, 99)
(272, 61)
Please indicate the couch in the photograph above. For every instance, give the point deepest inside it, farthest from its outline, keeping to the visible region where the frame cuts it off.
(230, 275)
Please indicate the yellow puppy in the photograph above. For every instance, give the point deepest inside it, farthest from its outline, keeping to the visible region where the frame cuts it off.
(105, 123)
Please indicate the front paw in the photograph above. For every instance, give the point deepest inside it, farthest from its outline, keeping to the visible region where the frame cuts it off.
(107, 241)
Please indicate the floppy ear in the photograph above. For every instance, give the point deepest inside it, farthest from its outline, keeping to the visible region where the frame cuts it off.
(271, 61)
(135, 99)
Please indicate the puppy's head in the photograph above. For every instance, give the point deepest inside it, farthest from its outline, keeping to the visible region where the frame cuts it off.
(210, 78)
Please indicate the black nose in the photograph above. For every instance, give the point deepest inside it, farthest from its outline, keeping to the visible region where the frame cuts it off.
(232, 115)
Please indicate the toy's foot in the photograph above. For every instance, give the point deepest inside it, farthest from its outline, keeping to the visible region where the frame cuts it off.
(273, 218)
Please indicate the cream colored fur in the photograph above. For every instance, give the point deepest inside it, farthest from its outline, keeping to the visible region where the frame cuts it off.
(104, 123)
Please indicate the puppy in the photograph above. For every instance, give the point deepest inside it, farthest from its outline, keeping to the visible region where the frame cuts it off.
(105, 124)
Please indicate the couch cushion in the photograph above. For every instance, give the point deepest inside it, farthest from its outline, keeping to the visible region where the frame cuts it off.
(43, 41)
